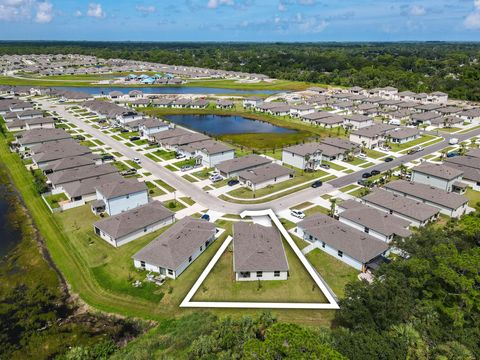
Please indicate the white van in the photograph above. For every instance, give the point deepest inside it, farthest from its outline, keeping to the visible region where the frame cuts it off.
(453, 141)
(395, 122)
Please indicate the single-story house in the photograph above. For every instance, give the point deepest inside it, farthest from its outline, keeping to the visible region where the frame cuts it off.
(127, 226)
(402, 135)
(174, 250)
(252, 102)
(264, 176)
(212, 152)
(258, 253)
(231, 168)
(379, 224)
(354, 247)
(451, 204)
(29, 138)
(59, 178)
(416, 212)
(152, 126)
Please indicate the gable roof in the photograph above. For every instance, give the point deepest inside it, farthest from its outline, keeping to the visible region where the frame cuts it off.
(438, 170)
(120, 188)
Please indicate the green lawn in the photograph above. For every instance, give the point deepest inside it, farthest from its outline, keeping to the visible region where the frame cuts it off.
(473, 198)
(188, 201)
(53, 200)
(336, 273)
(164, 185)
(133, 164)
(189, 178)
(348, 188)
(154, 190)
(165, 155)
(316, 209)
(88, 143)
(171, 168)
(186, 162)
(357, 161)
(203, 174)
(120, 166)
(153, 157)
(174, 205)
(220, 284)
(374, 154)
(334, 166)
(128, 135)
(422, 139)
(140, 142)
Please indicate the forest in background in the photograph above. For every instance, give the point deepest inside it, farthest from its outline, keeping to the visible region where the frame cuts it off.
(421, 67)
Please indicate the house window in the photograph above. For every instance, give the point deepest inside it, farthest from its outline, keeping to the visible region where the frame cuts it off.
(259, 273)
(391, 212)
(201, 248)
(245, 274)
(145, 230)
(323, 245)
(190, 259)
(340, 253)
(310, 237)
(170, 272)
(276, 273)
(128, 196)
(142, 264)
(367, 230)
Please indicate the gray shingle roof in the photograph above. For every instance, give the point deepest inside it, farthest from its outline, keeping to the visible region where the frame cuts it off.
(354, 243)
(241, 163)
(257, 248)
(438, 170)
(132, 220)
(428, 193)
(264, 173)
(36, 136)
(80, 173)
(120, 188)
(174, 246)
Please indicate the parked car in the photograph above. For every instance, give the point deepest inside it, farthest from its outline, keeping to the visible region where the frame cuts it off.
(375, 172)
(452, 154)
(123, 130)
(362, 156)
(297, 213)
(325, 166)
(137, 160)
(105, 127)
(233, 182)
(415, 150)
(215, 178)
(129, 172)
(362, 182)
(108, 157)
(180, 156)
(453, 141)
(205, 217)
(366, 175)
(134, 138)
(388, 159)
(317, 184)
(186, 167)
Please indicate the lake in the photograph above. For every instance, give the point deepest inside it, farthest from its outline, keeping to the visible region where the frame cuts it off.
(220, 124)
(166, 90)
(9, 235)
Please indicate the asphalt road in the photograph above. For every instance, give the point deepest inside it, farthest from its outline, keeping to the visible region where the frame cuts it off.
(212, 202)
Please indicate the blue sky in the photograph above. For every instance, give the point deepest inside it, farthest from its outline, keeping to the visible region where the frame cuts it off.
(240, 20)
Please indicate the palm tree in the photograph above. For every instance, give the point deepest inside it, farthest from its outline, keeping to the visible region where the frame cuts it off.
(463, 149)
(403, 170)
(333, 203)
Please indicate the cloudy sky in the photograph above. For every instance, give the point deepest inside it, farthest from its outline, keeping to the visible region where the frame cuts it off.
(240, 20)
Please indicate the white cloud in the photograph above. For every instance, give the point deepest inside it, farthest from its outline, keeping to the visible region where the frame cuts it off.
(417, 10)
(44, 12)
(281, 6)
(213, 4)
(145, 10)
(472, 21)
(77, 13)
(95, 10)
(22, 10)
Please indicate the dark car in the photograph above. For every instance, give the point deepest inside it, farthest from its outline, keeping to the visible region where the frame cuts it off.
(205, 217)
(375, 172)
(134, 138)
(124, 131)
(107, 157)
(366, 175)
(452, 154)
(388, 159)
(317, 184)
(233, 182)
(362, 182)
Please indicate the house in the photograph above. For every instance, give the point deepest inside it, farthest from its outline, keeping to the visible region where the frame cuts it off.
(347, 244)
(181, 103)
(59, 178)
(451, 204)
(406, 96)
(224, 104)
(27, 139)
(170, 133)
(210, 151)
(303, 156)
(127, 226)
(231, 168)
(402, 135)
(343, 144)
(437, 175)
(469, 165)
(438, 97)
(135, 94)
(323, 118)
(251, 102)
(83, 191)
(114, 95)
(43, 155)
(264, 175)
(173, 143)
(175, 249)
(140, 103)
(371, 136)
(199, 104)
(128, 116)
(280, 110)
(470, 115)
(120, 196)
(27, 114)
(162, 103)
(357, 121)
(258, 253)
(414, 211)
(301, 110)
(372, 221)
(149, 127)
(71, 163)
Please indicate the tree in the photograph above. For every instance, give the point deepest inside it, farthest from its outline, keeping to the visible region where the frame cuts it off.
(333, 203)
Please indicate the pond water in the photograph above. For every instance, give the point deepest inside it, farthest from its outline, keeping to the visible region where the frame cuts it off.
(165, 90)
(220, 125)
(9, 235)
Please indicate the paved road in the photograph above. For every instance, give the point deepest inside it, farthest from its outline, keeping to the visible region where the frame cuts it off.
(213, 203)
(353, 177)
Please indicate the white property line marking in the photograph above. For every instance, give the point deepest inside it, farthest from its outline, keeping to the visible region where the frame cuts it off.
(331, 305)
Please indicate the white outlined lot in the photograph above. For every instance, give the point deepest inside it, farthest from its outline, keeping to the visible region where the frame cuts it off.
(330, 304)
